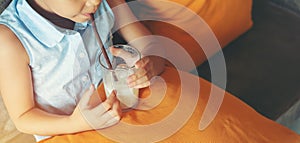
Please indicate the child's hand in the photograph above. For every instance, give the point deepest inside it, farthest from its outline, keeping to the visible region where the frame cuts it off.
(147, 67)
(101, 116)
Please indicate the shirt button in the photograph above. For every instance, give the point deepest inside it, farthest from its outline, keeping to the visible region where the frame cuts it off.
(85, 78)
(81, 55)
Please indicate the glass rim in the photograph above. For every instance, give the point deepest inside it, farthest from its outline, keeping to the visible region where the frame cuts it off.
(119, 45)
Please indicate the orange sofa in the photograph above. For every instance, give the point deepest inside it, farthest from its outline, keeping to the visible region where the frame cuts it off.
(226, 19)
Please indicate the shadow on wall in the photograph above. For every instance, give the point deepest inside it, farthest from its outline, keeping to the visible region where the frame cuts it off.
(292, 5)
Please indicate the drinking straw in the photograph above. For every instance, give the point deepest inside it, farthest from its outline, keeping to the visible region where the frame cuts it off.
(100, 43)
(102, 48)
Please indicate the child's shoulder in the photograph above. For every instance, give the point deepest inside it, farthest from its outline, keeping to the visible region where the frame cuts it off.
(10, 44)
(7, 37)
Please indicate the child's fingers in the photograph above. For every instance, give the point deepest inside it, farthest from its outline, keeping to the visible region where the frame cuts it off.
(106, 105)
(114, 114)
(112, 121)
(140, 79)
(140, 83)
(117, 108)
(142, 62)
(119, 52)
(138, 74)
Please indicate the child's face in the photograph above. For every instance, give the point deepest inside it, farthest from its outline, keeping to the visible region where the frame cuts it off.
(75, 10)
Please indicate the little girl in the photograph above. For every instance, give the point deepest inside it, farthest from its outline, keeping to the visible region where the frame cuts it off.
(49, 67)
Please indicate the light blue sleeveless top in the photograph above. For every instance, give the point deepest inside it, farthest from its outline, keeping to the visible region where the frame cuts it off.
(63, 62)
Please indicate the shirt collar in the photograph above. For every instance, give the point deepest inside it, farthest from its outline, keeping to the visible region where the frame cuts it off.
(81, 26)
(41, 28)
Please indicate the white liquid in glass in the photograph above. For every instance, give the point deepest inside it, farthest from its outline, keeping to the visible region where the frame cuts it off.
(128, 97)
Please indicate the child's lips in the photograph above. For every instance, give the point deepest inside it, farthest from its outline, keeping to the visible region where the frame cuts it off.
(87, 14)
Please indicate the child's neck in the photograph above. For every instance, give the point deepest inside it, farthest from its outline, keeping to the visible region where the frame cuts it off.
(54, 18)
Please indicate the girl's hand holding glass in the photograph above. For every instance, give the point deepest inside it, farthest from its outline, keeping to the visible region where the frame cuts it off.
(146, 68)
(99, 116)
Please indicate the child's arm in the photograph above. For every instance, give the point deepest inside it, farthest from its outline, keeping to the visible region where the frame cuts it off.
(17, 93)
(140, 37)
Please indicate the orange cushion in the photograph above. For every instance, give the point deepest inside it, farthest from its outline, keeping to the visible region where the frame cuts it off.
(235, 121)
(228, 19)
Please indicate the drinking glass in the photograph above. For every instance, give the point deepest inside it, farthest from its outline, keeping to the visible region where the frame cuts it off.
(115, 78)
